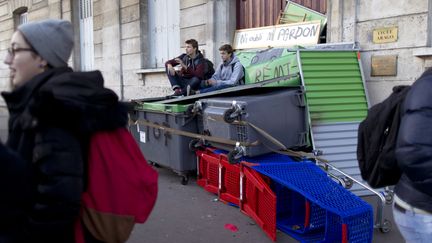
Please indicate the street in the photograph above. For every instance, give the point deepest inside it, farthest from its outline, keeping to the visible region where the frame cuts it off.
(189, 214)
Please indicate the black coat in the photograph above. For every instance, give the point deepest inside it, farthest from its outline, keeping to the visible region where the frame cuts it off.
(414, 146)
(14, 188)
(51, 119)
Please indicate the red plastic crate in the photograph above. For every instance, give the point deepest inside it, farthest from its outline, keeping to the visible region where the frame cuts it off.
(258, 200)
(230, 181)
(208, 170)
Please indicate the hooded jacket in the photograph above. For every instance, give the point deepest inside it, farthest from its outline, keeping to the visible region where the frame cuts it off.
(196, 67)
(414, 146)
(229, 73)
(51, 119)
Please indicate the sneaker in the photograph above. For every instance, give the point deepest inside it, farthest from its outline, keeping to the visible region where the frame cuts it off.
(190, 91)
(177, 92)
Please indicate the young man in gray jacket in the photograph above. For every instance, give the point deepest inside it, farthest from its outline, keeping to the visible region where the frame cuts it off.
(228, 74)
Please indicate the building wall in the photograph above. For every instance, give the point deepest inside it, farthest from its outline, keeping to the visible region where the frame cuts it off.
(210, 22)
(121, 39)
(355, 20)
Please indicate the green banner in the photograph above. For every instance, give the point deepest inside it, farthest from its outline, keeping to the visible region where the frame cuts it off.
(262, 65)
(295, 13)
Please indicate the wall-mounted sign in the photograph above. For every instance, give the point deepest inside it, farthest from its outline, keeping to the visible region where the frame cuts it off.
(384, 65)
(286, 35)
(385, 35)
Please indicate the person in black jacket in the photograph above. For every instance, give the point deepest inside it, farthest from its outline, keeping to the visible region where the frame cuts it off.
(53, 112)
(412, 208)
(14, 188)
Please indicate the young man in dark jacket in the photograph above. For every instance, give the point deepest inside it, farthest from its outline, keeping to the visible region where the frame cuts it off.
(192, 69)
(412, 208)
(53, 112)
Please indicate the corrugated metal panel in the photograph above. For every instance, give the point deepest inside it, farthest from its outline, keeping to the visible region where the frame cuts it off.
(338, 142)
(337, 103)
(334, 86)
(258, 13)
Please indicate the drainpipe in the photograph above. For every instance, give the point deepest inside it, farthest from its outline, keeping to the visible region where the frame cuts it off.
(356, 2)
(341, 10)
(61, 9)
(429, 25)
(121, 52)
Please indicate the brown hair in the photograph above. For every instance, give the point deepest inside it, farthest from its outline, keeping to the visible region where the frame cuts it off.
(228, 48)
(192, 42)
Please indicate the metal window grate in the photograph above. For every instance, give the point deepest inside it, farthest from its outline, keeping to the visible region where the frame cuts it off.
(242, 133)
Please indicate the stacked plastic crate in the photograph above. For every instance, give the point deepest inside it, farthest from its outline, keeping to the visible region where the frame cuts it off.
(296, 197)
(347, 217)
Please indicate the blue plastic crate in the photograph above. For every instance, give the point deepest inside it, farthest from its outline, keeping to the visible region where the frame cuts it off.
(295, 213)
(343, 209)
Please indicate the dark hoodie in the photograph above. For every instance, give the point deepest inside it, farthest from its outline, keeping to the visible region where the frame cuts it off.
(51, 119)
(196, 67)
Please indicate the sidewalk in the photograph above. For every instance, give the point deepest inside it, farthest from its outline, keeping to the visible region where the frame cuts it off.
(189, 214)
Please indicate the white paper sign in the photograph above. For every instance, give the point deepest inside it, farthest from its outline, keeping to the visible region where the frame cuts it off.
(286, 35)
(142, 136)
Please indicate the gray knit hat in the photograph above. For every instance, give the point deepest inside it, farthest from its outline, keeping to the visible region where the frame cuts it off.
(52, 39)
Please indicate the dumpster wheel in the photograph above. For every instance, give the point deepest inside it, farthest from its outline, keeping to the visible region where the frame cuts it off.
(232, 157)
(184, 180)
(386, 226)
(227, 116)
(195, 144)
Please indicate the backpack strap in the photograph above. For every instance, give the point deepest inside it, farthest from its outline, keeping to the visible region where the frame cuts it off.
(242, 79)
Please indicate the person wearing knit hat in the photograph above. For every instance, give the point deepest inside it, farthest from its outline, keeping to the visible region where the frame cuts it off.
(53, 112)
(52, 39)
(38, 46)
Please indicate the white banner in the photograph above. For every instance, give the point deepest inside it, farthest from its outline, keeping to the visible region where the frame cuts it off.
(287, 35)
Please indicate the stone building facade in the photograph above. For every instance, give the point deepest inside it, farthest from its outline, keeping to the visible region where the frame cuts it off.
(354, 20)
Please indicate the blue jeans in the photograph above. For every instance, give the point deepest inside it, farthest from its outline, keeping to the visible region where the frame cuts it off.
(414, 227)
(213, 88)
(181, 82)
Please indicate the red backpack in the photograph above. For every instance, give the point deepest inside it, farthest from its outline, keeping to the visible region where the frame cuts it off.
(121, 191)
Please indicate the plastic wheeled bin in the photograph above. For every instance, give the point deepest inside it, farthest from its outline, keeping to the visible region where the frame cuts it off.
(281, 114)
(163, 147)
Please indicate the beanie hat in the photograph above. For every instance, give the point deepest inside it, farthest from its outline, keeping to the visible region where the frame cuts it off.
(52, 39)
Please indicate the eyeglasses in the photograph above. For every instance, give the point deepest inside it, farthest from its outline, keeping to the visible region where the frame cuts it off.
(12, 51)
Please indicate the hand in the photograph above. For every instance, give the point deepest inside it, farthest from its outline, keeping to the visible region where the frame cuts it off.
(211, 82)
(179, 61)
(171, 70)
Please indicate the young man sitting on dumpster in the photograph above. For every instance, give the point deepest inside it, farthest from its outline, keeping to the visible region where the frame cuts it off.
(228, 74)
(192, 68)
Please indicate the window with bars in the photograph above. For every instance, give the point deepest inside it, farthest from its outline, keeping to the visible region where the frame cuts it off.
(164, 31)
(86, 34)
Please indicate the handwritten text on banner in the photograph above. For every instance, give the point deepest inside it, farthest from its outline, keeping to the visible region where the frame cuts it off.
(287, 35)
